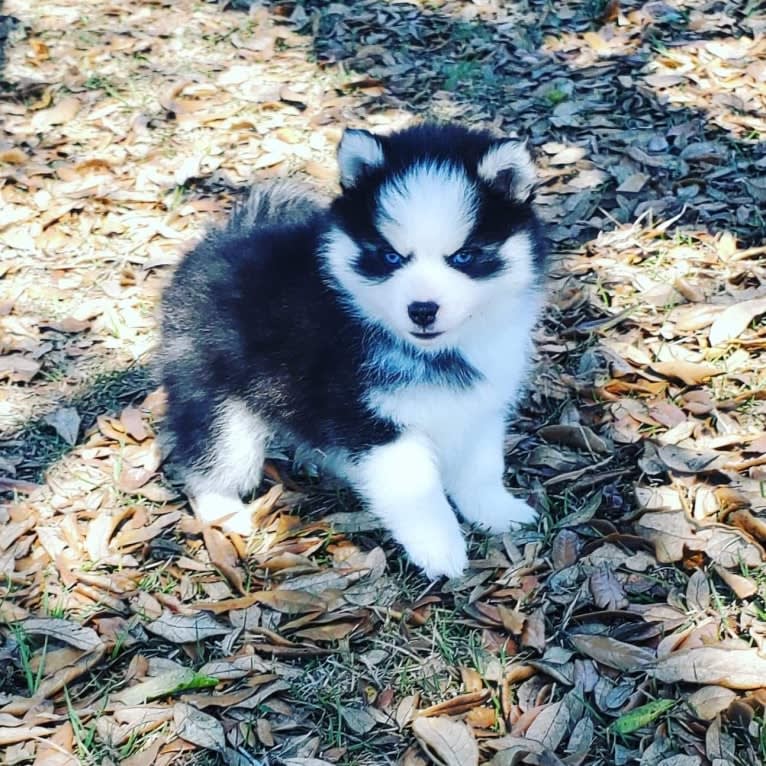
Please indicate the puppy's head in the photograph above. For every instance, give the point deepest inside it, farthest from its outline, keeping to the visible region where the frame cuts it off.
(433, 229)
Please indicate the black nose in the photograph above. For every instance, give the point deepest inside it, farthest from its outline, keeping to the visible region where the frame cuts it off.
(423, 313)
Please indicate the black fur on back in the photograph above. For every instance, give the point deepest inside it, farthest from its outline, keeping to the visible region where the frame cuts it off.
(248, 315)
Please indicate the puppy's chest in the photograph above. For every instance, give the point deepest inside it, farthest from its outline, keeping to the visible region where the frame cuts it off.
(441, 412)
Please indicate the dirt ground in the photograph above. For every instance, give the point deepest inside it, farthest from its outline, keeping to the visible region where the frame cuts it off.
(626, 629)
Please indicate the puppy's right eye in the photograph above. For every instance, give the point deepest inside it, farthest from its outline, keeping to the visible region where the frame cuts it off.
(393, 257)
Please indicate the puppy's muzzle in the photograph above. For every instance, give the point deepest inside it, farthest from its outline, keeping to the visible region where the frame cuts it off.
(423, 313)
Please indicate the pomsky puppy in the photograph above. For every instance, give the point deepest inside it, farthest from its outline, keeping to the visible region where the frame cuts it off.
(387, 333)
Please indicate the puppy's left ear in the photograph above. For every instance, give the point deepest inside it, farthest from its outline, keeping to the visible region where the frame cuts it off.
(358, 152)
(508, 167)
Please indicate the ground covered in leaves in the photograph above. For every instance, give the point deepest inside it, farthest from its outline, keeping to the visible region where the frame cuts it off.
(627, 628)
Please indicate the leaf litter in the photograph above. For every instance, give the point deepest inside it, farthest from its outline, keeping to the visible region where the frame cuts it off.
(626, 629)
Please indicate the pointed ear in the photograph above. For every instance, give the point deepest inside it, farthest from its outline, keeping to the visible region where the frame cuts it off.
(507, 166)
(358, 151)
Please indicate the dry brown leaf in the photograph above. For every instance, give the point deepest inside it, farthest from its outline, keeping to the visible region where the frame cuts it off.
(406, 710)
(550, 726)
(447, 742)
(565, 549)
(224, 556)
(533, 633)
(291, 601)
(64, 111)
(9, 735)
(456, 705)
(577, 436)
(66, 631)
(672, 532)
(613, 653)
(710, 701)
(66, 422)
(742, 587)
(732, 322)
(185, 629)
(691, 373)
(472, 680)
(18, 367)
(732, 668)
(481, 717)
(55, 682)
(132, 421)
(332, 631)
(606, 589)
(58, 750)
(698, 591)
(198, 728)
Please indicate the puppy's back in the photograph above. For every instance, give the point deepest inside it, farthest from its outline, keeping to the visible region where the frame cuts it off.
(279, 203)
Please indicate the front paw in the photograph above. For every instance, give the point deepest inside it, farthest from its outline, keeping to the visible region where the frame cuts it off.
(437, 551)
(497, 510)
(230, 513)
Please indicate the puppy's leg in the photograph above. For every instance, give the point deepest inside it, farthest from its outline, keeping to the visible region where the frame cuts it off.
(400, 482)
(473, 476)
(228, 464)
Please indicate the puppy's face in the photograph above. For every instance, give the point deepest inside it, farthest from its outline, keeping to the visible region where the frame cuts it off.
(434, 229)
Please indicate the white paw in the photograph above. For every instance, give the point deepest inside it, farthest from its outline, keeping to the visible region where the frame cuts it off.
(496, 510)
(438, 551)
(230, 513)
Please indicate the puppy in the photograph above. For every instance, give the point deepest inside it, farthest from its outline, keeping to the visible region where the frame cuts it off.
(386, 333)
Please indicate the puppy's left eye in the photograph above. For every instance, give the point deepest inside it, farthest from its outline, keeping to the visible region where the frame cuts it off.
(462, 257)
(393, 257)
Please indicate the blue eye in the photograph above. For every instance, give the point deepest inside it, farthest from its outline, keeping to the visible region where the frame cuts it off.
(463, 257)
(393, 258)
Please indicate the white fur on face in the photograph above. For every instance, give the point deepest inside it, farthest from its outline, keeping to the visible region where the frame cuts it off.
(428, 212)
(426, 215)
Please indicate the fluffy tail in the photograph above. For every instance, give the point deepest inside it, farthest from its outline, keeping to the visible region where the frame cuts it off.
(276, 203)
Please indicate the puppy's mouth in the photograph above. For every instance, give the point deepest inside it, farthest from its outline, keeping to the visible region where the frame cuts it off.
(426, 335)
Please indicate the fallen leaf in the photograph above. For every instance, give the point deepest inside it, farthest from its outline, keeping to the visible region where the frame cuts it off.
(133, 422)
(732, 668)
(690, 373)
(710, 701)
(66, 422)
(290, 601)
(18, 367)
(613, 653)
(62, 112)
(550, 726)
(533, 634)
(734, 320)
(742, 587)
(199, 728)
(357, 719)
(633, 183)
(565, 549)
(447, 742)
(606, 589)
(456, 705)
(186, 629)
(577, 436)
(66, 631)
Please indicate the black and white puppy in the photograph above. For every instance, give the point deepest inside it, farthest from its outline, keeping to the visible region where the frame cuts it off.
(387, 333)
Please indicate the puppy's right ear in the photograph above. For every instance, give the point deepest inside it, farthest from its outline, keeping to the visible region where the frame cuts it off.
(358, 152)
